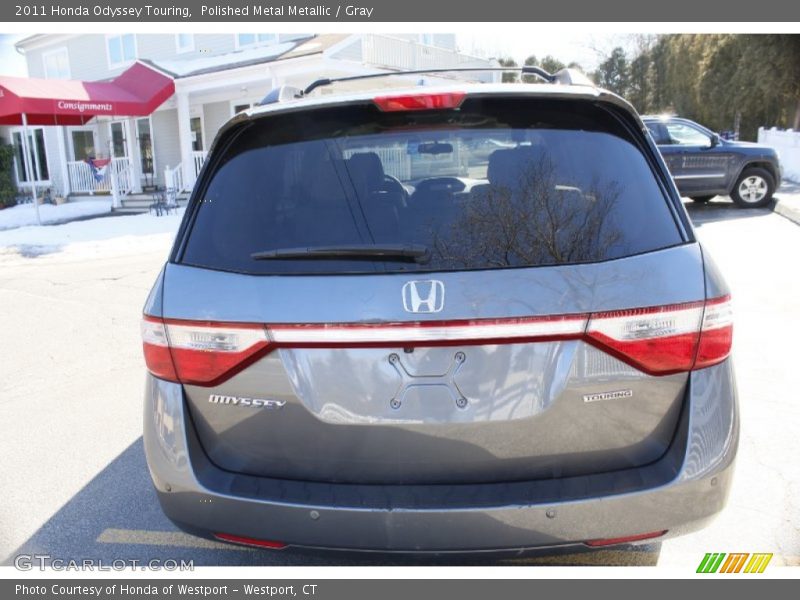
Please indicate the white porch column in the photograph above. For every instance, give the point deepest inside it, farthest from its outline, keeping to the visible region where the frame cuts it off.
(30, 168)
(185, 138)
(132, 136)
(115, 202)
(66, 187)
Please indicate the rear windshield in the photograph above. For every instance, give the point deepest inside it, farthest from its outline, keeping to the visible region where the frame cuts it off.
(500, 183)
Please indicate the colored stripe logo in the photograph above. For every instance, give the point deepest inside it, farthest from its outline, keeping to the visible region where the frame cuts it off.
(735, 562)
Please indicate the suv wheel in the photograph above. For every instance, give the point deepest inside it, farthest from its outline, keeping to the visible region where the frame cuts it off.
(754, 188)
(702, 198)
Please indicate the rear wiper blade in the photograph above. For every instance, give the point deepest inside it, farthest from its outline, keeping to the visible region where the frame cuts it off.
(410, 252)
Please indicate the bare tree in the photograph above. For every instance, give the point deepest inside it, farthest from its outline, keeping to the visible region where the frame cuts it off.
(531, 220)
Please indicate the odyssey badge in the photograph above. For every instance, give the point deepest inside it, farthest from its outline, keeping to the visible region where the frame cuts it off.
(243, 401)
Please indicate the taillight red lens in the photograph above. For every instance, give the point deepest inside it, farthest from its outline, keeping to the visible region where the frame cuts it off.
(419, 101)
(716, 334)
(658, 340)
(200, 353)
(666, 339)
(157, 356)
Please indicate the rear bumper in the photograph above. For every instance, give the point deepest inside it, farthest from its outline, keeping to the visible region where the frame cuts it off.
(679, 493)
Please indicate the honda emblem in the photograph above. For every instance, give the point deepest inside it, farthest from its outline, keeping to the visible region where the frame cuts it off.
(425, 296)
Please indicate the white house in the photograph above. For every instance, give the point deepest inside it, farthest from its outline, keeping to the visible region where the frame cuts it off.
(215, 75)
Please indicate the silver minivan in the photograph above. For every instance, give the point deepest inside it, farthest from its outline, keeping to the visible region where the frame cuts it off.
(441, 319)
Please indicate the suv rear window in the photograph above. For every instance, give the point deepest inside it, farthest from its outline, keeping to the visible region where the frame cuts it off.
(500, 183)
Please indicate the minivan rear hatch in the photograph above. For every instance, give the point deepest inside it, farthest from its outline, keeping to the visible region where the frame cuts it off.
(472, 289)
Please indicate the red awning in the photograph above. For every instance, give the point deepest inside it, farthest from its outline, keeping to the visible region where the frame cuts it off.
(137, 92)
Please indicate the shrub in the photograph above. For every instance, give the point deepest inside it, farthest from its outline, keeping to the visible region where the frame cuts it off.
(8, 190)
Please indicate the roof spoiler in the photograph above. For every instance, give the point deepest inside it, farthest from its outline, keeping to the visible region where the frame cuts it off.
(561, 77)
(283, 93)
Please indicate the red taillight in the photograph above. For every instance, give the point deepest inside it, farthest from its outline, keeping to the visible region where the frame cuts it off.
(246, 541)
(666, 339)
(419, 101)
(200, 353)
(716, 333)
(657, 340)
(157, 356)
(625, 540)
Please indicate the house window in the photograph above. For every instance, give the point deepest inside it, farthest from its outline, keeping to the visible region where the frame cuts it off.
(196, 128)
(237, 107)
(37, 153)
(121, 49)
(83, 146)
(56, 64)
(144, 135)
(247, 40)
(184, 42)
(118, 142)
(426, 38)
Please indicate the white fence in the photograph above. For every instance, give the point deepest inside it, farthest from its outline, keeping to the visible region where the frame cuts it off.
(395, 160)
(82, 178)
(787, 143)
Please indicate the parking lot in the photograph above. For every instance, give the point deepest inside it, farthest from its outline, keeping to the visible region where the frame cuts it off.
(74, 480)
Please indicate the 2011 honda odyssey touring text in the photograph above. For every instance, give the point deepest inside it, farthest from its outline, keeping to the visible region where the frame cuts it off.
(463, 318)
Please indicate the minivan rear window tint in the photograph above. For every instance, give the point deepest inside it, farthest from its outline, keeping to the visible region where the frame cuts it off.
(500, 183)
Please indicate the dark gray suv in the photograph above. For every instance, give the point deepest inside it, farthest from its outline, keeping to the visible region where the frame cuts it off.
(468, 318)
(704, 165)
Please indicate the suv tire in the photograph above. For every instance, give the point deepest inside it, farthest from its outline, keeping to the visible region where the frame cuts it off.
(753, 188)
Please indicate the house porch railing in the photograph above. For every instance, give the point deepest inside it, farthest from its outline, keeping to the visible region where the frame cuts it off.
(83, 179)
(174, 178)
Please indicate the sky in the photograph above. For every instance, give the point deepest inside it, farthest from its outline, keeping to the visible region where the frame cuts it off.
(11, 63)
(586, 50)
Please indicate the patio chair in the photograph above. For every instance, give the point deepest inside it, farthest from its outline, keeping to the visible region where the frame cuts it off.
(171, 200)
(159, 203)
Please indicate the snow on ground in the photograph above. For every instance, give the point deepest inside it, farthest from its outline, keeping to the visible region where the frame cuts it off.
(25, 214)
(104, 236)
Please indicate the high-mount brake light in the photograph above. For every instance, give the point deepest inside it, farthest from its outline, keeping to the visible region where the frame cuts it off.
(656, 340)
(409, 102)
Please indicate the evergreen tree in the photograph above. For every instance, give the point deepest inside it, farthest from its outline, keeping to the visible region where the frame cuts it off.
(509, 76)
(614, 72)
